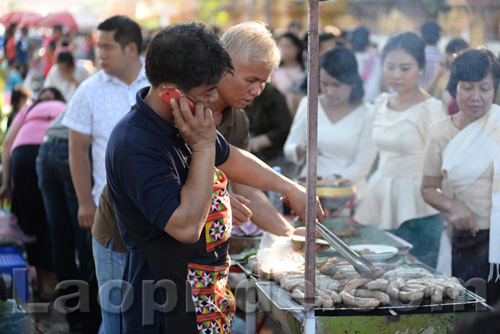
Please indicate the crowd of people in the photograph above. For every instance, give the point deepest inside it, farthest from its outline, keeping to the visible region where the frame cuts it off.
(116, 183)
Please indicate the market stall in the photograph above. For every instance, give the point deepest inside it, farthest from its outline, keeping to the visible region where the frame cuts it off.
(437, 315)
(404, 294)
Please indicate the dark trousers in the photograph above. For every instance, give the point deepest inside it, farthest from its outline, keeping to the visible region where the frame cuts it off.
(61, 207)
(469, 262)
(29, 206)
(425, 235)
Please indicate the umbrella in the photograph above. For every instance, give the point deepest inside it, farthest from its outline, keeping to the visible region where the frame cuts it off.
(72, 21)
(22, 18)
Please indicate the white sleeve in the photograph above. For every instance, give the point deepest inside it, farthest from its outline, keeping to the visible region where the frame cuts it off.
(78, 115)
(298, 132)
(431, 113)
(81, 73)
(366, 150)
(51, 78)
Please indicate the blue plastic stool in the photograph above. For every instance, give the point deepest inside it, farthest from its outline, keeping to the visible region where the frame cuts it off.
(13, 269)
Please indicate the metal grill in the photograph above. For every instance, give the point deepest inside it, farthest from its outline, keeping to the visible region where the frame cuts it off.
(282, 299)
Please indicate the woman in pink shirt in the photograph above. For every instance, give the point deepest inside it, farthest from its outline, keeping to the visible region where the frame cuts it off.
(20, 183)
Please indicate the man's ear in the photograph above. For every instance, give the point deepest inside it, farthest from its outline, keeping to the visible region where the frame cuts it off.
(132, 48)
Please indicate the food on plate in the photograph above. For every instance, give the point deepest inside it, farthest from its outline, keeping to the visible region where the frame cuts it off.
(375, 252)
(365, 251)
(348, 232)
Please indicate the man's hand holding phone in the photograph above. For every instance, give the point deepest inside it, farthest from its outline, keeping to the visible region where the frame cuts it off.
(173, 93)
(197, 129)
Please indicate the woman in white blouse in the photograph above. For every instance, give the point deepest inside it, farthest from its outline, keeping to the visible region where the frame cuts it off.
(393, 200)
(344, 122)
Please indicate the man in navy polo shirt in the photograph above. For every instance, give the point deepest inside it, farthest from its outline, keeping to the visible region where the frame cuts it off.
(166, 172)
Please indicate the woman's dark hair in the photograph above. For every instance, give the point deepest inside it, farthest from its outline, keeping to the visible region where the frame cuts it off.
(188, 55)
(298, 43)
(324, 36)
(341, 64)
(66, 58)
(409, 42)
(18, 93)
(456, 45)
(359, 38)
(126, 30)
(473, 65)
(57, 97)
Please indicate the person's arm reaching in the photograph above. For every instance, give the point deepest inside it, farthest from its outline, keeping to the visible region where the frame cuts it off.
(245, 168)
(81, 174)
(264, 215)
(5, 189)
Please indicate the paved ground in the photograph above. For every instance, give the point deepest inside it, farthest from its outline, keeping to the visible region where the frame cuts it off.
(46, 321)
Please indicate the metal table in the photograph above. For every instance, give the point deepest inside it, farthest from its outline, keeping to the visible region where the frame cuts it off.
(425, 317)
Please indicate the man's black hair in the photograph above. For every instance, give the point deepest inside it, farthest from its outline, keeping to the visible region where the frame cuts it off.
(431, 31)
(456, 45)
(126, 30)
(188, 55)
(359, 38)
(66, 58)
(325, 36)
(473, 65)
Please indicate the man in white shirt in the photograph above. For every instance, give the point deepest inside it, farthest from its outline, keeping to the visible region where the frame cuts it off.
(97, 105)
(368, 59)
(66, 75)
(431, 32)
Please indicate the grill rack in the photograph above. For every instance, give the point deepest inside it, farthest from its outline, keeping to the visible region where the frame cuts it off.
(282, 299)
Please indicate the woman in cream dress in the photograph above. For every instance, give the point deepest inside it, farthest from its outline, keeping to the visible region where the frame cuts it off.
(393, 200)
(344, 122)
(462, 170)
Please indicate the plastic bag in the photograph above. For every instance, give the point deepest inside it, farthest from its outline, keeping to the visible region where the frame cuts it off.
(276, 255)
(11, 317)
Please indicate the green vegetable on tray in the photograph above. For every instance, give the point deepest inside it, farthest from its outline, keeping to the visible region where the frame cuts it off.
(300, 240)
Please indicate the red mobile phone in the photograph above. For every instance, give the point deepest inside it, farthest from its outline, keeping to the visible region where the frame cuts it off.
(174, 93)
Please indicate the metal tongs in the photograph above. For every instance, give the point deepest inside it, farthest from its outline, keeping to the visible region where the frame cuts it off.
(363, 266)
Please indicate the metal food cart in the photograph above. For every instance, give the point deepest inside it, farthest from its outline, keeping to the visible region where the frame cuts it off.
(423, 317)
(295, 318)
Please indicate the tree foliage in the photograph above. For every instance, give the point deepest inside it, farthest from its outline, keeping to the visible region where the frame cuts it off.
(433, 7)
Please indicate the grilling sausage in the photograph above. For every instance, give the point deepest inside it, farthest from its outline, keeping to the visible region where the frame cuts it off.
(382, 297)
(361, 302)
